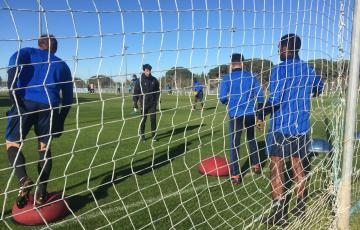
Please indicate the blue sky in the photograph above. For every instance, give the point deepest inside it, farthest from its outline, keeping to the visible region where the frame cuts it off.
(183, 34)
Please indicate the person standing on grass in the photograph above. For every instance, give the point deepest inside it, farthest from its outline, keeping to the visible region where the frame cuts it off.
(135, 97)
(198, 93)
(149, 92)
(292, 84)
(35, 79)
(240, 91)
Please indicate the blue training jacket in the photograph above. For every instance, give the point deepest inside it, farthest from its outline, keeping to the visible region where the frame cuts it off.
(41, 72)
(292, 84)
(240, 90)
(198, 87)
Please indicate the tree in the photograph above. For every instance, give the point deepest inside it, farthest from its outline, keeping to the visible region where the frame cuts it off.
(261, 68)
(80, 83)
(104, 81)
(181, 75)
(329, 70)
(218, 71)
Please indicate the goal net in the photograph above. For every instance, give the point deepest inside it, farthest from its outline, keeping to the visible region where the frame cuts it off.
(111, 178)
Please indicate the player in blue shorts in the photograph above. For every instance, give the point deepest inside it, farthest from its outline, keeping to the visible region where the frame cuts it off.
(241, 91)
(35, 79)
(292, 84)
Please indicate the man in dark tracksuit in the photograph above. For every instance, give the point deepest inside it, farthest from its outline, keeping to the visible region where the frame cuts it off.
(148, 90)
(36, 77)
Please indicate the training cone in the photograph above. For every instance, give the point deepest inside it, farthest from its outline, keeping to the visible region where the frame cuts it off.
(214, 166)
(53, 210)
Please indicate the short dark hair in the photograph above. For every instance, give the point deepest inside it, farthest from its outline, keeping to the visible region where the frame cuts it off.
(48, 42)
(147, 66)
(237, 57)
(134, 76)
(291, 41)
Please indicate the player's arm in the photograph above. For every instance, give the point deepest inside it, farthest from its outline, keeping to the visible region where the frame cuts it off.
(157, 91)
(258, 93)
(137, 88)
(275, 93)
(16, 62)
(224, 90)
(317, 83)
(66, 86)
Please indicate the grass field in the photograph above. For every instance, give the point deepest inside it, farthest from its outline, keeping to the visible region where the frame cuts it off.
(109, 176)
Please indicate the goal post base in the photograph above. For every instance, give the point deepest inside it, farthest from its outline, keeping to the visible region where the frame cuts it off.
(53, 210)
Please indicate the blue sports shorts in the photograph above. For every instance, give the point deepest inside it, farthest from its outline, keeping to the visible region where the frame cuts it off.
(284, 145)
(20, 121)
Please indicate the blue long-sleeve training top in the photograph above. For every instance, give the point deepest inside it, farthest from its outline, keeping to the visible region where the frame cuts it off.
(198, 87)
(40, 72)
(292, 84)
(240, 90)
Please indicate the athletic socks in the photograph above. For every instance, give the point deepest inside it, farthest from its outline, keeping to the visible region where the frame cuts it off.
(44, 169)
(20, 170)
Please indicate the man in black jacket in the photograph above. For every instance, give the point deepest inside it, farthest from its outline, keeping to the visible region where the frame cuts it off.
(149, 91)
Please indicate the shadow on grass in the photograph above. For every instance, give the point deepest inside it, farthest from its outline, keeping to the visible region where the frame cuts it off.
(79, 201)
(179, 130)
(164, 158)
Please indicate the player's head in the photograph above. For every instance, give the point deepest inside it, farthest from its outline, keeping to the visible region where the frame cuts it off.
(147, 69)
(134, 76)
(289, 46)
(237, 60)
(48, 42)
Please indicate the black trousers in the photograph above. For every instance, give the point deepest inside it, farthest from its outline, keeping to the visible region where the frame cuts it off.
(135, 102)
(151, 110)
(237, 124)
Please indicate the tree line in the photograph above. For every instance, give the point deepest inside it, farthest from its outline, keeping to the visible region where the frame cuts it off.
(328, 69)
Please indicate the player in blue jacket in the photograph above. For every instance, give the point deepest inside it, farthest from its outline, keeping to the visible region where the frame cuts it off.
(292, 84)
(35, 79)
(241, 91)
(198, 92)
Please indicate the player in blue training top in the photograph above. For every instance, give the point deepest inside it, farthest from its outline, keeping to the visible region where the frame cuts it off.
(292, 84)
(198, 93)
(35, 79)
(240, 90)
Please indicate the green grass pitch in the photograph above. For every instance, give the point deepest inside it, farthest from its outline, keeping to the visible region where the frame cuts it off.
(110, 177)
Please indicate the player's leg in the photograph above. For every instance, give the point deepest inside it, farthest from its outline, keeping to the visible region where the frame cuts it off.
(297, 161)
(235, 134)
(202, 100)
(14, 132)
(42, 130)
(249, 125)
(143, 122)
(194, 105)
(135, 103)
(278, 214)
(152, 112)
(277, 177)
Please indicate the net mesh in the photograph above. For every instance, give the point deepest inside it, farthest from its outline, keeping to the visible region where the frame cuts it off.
(109, 177)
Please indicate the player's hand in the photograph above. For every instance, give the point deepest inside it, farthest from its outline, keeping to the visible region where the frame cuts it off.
(259, 124)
